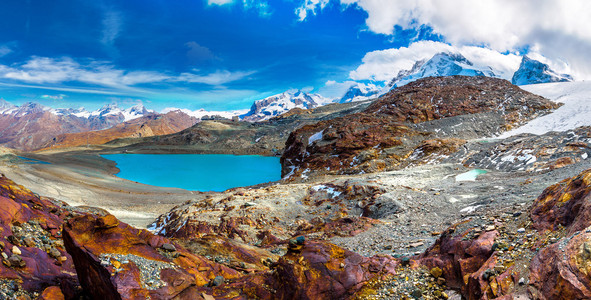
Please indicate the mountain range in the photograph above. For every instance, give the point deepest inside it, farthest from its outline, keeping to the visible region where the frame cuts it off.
(32, 125)
(272, 106)
(448, 64)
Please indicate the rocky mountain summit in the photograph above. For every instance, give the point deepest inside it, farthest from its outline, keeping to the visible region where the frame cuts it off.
(360, 92)
(429, 115)
(276, 105)
(532, 72)
(441, 64)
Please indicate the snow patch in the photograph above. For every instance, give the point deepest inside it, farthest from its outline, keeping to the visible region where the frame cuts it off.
(315, 137)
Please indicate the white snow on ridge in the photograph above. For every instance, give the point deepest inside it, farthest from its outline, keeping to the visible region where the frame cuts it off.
(575, 112)
(200, 113)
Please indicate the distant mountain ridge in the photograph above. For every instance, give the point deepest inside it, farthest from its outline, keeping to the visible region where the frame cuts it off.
(272, 106)
(532, 72)
(448, 64)
(32, 125)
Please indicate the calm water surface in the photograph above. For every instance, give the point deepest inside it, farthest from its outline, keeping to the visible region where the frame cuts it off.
(198, 172)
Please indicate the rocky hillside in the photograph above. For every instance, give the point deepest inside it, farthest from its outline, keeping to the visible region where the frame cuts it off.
(429, 115)
(235, 137)
(418, 233)
(145, 126)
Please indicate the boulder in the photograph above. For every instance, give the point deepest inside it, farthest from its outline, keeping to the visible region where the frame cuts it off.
(26, 219)
(122, 262)
(567, 203)
(563, 270)
(324, 271)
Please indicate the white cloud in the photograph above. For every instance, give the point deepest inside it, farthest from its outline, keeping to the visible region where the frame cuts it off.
(216, 78)
(383, 65)
(111, 27)
(4, 50)
(333, 89)
(43, 70)
(219, 2)
(260, 6)
(54, 97)
(558, 29)
(310, 6)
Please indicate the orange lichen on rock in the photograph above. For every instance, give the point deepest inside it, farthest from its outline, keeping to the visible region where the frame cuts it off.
(567, 203)
(92, 242)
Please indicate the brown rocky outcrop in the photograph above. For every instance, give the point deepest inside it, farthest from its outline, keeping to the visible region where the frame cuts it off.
(117, 261)
(32, 250)
(463, 260)
(325, 271)
(567, 203)
(384, 135)
(563, 269)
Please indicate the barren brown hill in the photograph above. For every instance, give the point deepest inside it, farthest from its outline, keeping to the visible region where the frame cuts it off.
(431, 114)
(146, 126)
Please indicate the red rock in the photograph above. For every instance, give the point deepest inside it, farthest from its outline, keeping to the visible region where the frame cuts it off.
(561, 270)
(462, 261)
(52, 293)
(108, 221)
(86, 242)
(316, 272)
(567, 203)
(18, 206)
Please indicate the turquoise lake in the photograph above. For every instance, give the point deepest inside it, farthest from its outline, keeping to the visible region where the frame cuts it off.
(197, 172)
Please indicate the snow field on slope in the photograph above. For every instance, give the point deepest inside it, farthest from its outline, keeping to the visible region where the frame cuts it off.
(576, 111)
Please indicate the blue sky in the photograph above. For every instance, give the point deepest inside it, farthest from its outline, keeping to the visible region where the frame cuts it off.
(223, 54)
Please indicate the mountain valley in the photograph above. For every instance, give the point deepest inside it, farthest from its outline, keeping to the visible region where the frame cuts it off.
(379, 200)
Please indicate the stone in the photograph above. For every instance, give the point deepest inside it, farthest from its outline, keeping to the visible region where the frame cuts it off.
(16, 261)
(52, 293)
(108, 221)
(436, 272)
(217, 281)
(417, 294)
(405, 261)
(168, 247)
(53, 252)
(415, 245)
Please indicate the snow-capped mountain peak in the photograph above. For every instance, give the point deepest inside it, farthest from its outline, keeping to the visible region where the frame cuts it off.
(532, 71)
(202, 113)
(135, 112)
(441, 64)
(360, 92)
(275, 105)
(6, 107)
